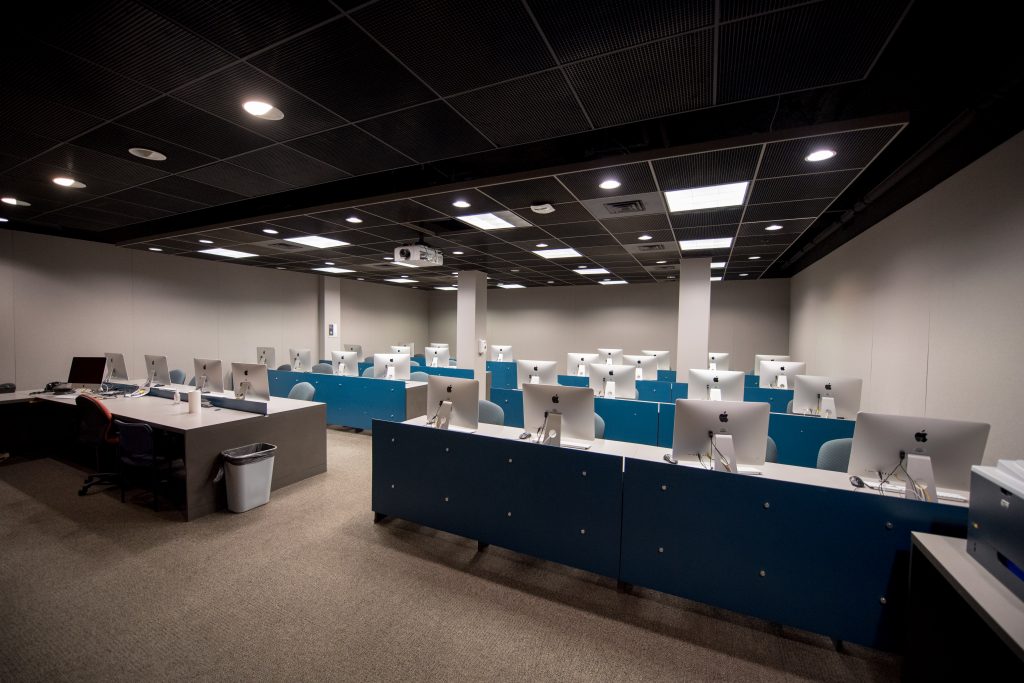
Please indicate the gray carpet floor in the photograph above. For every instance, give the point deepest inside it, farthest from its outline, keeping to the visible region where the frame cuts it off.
(308, 588)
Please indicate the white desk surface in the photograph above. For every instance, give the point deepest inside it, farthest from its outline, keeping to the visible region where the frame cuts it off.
(1002, 610)
(16, 397)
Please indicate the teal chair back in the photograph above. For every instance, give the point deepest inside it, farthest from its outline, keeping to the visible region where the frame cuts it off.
(368, 372)
(771, 454)
(414, 363)
(789, 407)
(303, 391)
(598, 426)
(491, 413)
(323, 369)
(177, 376)
(284, 368)
(419, 376)
(835, 455)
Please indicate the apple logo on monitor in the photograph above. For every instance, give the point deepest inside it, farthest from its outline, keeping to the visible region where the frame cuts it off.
(554, 399)
(921, 436)
(724, 417)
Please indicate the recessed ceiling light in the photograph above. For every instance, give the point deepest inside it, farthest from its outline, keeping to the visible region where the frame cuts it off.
(592, 271)
(354, 219)
(335, 271)
(773, 228)
(263, 110)
(820, 155)
(609, 184)
(461, 204)
(68, 182)
(557, 253)
(713, 243)
(389, 258)
(3, 220)
(718, 264)
(710, 197)
(360, 278)
(580, 267)
(205, 241)
(13, 202)
(229, 253)
(316, 241)
(270, 231)
(671, 277)
(447, 288)
(541, 245)
(155, 249)
(401, 280)
(328, 263)
(458, 253)
(512, 285)
(661, 262)
(716, 278)
(644, 238)
(514, 270)
(744, 274)
(147, 154)
(551, 282)
(486, 221)
(455, 273)
(753, 258)
(613, 282)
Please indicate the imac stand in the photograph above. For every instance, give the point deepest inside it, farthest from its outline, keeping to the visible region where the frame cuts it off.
(712, 366)
(639, 373)
(921, 484)
(534, 379)
(390, 374)
(297, 365)
(444, 415)
(609, 389)
(781, 382)
(827, 407)
(551, 432)
(242, 389)
(714, 394)
(203, 381)
(501, 356)
(433, 362)
(581, 370)
(724, 455)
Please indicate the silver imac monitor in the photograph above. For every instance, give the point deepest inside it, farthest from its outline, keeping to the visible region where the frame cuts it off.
(502, 353)
(345, 363)
(391, 365)
(440, 345)
(646, 367)
(536, 372)
(436, 356)
(251, 381)
(736, 430)
(576, 364)
(664, 358)
(772, 373)
(156, 371)
(209, 375)
(402, 348)
(826, 396)
(880, 443)
(574, 407)
(301, 360)
(354, 348)
(718, 361)
(766, 356)
(267, 355)
(116, 371)
(610, 356)
(464, 394)
(613, 381)
(715, 385)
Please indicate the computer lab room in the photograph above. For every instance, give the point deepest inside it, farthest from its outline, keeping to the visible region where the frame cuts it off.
(511, 340)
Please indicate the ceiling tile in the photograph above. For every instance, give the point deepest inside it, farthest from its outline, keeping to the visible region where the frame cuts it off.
(187, 126)
(812, 186)
(235, 179)
(286, 164)
(427, 132)
(634, 179)
(116, 140)
(854, 149)
(719, 167)
(810, 208)
(191, 190)
(479, 203)
(352, 150)
(524, 193)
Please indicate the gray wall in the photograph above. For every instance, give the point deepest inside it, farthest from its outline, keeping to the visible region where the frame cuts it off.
(925, 306)
(377, 316)
(547, 323)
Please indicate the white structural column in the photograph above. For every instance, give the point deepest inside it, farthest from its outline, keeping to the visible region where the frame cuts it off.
(471, 324)
(694, 322)
(328, 313)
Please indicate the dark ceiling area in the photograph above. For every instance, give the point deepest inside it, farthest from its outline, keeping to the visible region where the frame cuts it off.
(394, 109)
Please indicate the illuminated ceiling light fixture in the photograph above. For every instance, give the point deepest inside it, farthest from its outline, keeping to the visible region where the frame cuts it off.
(610, 184)
(68, 182)
(710, 197)
(773, 227)
(147, 154)
(263, 110)
(461, 204)
(13, 202)
(354, 219)
(820, 155)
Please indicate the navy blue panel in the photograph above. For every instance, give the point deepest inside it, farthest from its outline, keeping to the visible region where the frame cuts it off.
(829, 556)
(751, 381)
(777, 398)
(654, 391)
(511, 401)
(351, 401)
(666, 375)
(466, 373)
(573, 381)
(799, 437)
(503, 375)
(680, 390)
(666, 423)
(628, 420)
(556, 504)
(419, 359)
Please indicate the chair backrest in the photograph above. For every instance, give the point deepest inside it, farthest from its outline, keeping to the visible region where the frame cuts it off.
(284, 368)
(491, 413)
(789, 407)
(177, 376)
(771, 453)
(598, 426)
(368, 372)
(414, 363)
(835, 455)
(192, 382)
(303, 391)
(419, 376)
(94, 421)
(323, 369)
(135, 438)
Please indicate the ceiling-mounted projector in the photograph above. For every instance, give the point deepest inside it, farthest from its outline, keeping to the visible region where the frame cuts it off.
(419, 255)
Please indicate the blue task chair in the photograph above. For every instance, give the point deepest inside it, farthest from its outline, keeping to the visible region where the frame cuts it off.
(598, 426)
(491, 413)
(419, 376)
(323, 369)
(789, 407)
(835, 455)
(771, 454)
(414, 363)
(177, 376)
(303, 391)
(284, 368)
(368, 372)
(137, 452)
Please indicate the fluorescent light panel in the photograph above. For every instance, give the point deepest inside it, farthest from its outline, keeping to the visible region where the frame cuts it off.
(316, 241)
(400, 280)
(613, 282)
(229, 253)
(713, 243)
(718, 264)
(558, 253)
(512, 286)
(716, 278)
(591, 271)
(334, 270)
(448, 289)
(486, 221)
(710, 197)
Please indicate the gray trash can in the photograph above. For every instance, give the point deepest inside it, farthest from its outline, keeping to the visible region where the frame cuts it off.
(249, 471)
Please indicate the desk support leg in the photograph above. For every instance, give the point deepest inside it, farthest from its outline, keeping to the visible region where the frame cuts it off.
(481, 546)
(623, 587)
(838, 645)
(377, 516)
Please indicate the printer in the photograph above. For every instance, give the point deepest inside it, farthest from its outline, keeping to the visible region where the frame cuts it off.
(995, 522)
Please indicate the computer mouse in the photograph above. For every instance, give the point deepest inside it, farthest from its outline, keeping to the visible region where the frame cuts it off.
(857, 481)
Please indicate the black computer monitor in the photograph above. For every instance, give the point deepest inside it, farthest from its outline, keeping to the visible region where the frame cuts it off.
(87, 372)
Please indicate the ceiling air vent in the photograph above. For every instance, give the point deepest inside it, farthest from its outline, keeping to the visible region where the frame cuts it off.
(628, 206)
(650, 247)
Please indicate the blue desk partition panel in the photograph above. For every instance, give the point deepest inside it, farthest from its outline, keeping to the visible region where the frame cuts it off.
(628, 420)
(666, 423)
(666, 375)
(419, 359)
(557, 504)
(351, 401)
(751, 381)
(511, 401)
(799, 437)
(777, 398)
(363, 366)
(680, 390)
(654, 391)
(573, 381)
(282, 381)
(503, 375)
(466, 373)
(815, 558)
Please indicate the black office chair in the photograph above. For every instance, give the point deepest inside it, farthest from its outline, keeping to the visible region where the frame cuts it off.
(95, 428)
(137, 453)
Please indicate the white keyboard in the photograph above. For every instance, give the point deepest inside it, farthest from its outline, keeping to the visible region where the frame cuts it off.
(748, 469)
(573, 443)
(900, 487)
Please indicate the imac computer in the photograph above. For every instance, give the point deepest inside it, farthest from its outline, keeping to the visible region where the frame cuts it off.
(646, 366)
(536, 372)
(715, 385)
(402, 348)
(766, 356)
(391, 365)
(664, 358)
(87, 372)
(610, 356)
(502, 353)
(267, 355)
(437, 357)
(251, 381)
(837, 397)
(613, 381)
(210, 375)
(577, 363)
(345, 363)
(440, 345)
(884, 445)
(779, 374)
(559, 416)
(453, 403)
(733, 435)
(157, 373)
(301, 360)
(354, 348)
(116, 370)
(718, 361)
